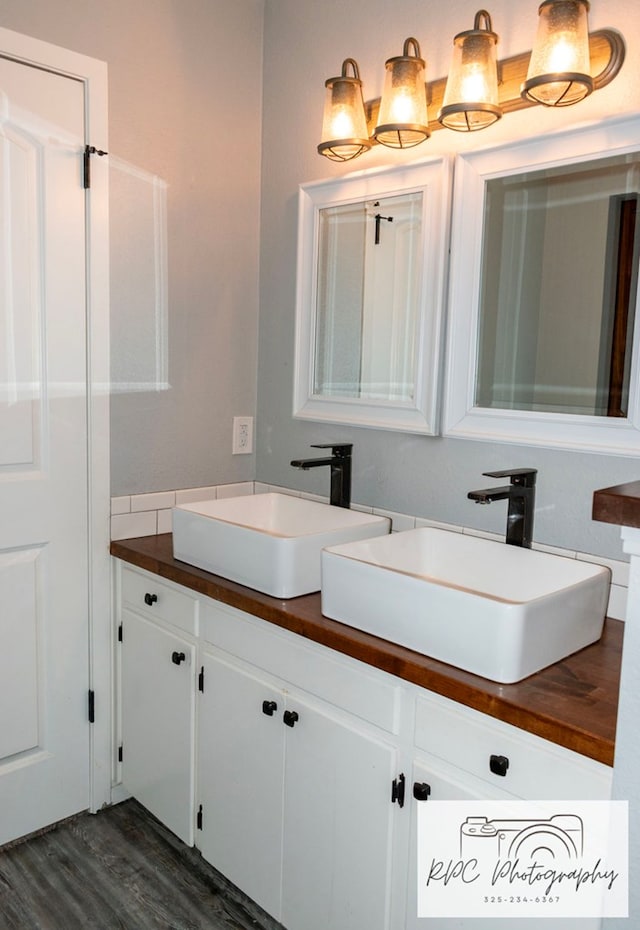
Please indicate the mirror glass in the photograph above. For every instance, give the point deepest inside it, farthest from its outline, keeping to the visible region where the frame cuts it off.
(371, 259)
(367, 298)
(557, 299)
(545, 245)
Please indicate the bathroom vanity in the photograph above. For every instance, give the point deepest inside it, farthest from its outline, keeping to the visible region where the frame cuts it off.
(294, 751)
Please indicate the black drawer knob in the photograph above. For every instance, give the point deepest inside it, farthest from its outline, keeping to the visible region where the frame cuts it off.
(499, 765)
(269, 708)
(150, 599)
(421, 790)
(290, 717)
(178, 657)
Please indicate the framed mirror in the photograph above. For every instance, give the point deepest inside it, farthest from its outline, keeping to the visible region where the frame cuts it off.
(371, 255)
(543, 337)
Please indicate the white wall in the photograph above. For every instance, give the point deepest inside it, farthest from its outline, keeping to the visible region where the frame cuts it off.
(184, 112)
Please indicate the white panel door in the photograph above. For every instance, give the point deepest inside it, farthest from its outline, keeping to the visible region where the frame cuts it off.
(240, 774)
(158, 721)
(44, 729)
(338, 823)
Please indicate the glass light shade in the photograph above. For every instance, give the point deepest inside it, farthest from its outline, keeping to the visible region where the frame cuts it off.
(402, 120)
(559, 68)
(344, 125)
(471, 96)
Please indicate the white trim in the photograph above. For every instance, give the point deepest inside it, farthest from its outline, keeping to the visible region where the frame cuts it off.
(630, 540)
(461, 418)
(420, 415)
(93, 74)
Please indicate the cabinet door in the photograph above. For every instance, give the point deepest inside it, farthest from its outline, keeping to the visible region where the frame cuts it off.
(448, 784)
(240, 775)
(337, 824)
(158, 703)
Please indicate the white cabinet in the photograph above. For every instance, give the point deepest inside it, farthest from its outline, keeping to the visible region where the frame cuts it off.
(158, 704)
(295, 801)
(297, 749)
(240, 774)
(464, 755)
(503, 756)
(338, 821)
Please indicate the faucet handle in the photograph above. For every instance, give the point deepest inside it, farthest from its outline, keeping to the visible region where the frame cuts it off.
(341, 449)
(528, 474)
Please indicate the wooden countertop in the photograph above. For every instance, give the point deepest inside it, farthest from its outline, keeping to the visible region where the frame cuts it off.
(572, 703)
(619, 504)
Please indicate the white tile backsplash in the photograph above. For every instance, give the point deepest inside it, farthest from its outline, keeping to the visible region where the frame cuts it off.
(235, 490)
(554, 550)
(121, 504)
(192, 495)
(130, 525)
(399, 521)
(436, 524)
(148, 514)
(155, 501)
(318, 498)
(617, 602)
(165, 521)
(482, 534)
(361, 508)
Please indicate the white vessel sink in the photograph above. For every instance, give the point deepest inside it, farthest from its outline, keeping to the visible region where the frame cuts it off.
(499, 611)
(269, 542)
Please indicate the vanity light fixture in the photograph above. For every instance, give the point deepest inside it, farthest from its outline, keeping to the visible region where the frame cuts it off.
(403, 121)
(559, 70)
(479, 89)
(344, 126)
(471, 96)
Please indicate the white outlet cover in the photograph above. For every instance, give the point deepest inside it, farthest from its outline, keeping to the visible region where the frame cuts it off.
(242, 443)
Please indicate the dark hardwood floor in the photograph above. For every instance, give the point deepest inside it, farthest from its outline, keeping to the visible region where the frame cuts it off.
(117, 870)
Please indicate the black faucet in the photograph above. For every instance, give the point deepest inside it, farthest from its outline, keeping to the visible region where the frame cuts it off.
(340, 463)
(521, 495)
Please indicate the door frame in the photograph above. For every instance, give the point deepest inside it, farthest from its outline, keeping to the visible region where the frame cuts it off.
(93, 75)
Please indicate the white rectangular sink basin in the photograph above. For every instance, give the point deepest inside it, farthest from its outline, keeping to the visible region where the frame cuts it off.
(495, 610)
(269, 542)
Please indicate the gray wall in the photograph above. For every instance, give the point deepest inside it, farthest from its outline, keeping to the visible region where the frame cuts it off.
(305, 43)
(185, 80)
(184, 109)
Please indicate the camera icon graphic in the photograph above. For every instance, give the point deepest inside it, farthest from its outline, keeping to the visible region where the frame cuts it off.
(555, 839)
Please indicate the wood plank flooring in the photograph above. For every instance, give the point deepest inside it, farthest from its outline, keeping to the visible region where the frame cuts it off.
(117, 870)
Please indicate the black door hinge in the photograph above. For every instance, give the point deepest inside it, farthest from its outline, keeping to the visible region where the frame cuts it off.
(199, 818)
(92, 706)
(201, 679)
(397, 790)
(90, 150)
(119, 753)
(120, 633)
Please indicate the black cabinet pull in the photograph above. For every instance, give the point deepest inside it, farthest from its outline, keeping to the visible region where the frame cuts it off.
(178, 657)
(150, 599)
(290, 717)
(499, 765)
(421, 790)
(269, 708)
(397, 790)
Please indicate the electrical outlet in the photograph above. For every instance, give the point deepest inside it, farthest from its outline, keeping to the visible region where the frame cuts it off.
(242, 436)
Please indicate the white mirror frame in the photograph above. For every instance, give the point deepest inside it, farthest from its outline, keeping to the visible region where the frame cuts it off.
(461, 418)
(433, 179)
